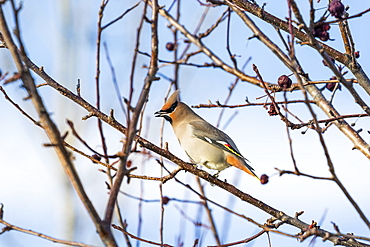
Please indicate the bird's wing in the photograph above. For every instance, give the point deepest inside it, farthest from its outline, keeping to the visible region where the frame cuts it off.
(208, 133)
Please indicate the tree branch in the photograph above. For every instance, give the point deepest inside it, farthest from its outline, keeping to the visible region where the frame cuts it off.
(189, 167)
(52, 131)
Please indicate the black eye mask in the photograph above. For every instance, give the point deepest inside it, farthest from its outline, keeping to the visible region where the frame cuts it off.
(172, 107)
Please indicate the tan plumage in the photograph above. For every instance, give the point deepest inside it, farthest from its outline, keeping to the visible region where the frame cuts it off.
(203, 143)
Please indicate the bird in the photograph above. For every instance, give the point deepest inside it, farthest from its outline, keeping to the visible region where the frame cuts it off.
(203, 143)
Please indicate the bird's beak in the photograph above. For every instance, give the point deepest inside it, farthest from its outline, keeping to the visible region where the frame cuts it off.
(159, 113)
(164, 114)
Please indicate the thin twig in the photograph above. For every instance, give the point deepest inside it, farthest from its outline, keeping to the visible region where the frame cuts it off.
(121, 16)
(209, 213)
(88, 156)
(298, 173)
(19, 108)
(196, 30)
(349, 17)
(132, 123)
(10, 227)
(97, 92)
(248, 104)
(227, 209)
(97, 74)
(331, 119)
(137, 238)
(232, 56)
(74, 132)
(213, 27)
(282, 117)
(242, 241)
(114, 79)
(231, 89)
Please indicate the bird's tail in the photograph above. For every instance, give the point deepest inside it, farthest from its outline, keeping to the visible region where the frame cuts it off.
(241, 164)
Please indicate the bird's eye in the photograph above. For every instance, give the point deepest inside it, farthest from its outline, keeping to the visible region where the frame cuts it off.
(172, 107)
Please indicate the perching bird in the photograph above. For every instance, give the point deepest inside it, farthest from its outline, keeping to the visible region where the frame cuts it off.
(203, 143)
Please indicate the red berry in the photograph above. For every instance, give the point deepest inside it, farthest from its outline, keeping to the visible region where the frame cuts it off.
(170, 46)
(272, 111)
(264, 179)
(336, 8)
(324, 36)
(320, 31)
(331, 85)
(96, 157)
(284, 81)
(357, 54)
(326, 27)
(165, 200)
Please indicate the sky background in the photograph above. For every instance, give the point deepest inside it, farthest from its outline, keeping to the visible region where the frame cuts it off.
(61, 36)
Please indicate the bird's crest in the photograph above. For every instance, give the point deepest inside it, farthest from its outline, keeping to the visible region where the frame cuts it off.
(171, 100)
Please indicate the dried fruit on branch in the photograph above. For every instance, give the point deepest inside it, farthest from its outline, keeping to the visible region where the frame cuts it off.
(336, 8)
(284, 81)
(321, 31)
(272, 111)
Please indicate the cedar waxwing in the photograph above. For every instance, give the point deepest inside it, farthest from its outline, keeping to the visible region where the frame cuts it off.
(203, 143)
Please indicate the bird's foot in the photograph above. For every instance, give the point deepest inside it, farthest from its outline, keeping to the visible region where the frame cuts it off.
(216, 174)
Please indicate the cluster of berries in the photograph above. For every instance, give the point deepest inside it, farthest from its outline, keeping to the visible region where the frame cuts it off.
(336, 9)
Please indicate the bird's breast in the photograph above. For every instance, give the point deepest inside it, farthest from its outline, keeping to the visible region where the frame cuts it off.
(200, 151)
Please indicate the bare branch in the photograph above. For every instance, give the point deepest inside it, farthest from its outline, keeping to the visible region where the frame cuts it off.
(10, 227)
(140, 239)
(131, 130)
(52, 131)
